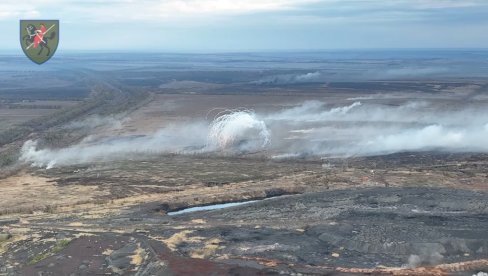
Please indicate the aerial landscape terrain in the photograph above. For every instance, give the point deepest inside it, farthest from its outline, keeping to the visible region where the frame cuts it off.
(292, 163)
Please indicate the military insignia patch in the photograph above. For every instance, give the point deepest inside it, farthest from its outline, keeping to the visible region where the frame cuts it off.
(39, 39)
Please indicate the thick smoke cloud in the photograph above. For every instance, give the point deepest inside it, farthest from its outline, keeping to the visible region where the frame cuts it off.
(369, 129)
(312, 128)
(235, 131)
(172, 139)
(240, 130)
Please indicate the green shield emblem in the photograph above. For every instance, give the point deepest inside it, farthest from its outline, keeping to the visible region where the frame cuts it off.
(39, 39)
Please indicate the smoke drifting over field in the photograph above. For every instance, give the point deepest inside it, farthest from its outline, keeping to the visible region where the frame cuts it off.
(290, 78)
(235, 131)
(369, 129)
(312, 128)
(172, 139)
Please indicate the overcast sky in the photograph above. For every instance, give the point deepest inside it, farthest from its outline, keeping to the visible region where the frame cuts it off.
(250, 25)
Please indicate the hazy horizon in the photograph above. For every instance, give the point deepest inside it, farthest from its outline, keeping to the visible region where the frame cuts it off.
(250, 26)
(264, 51)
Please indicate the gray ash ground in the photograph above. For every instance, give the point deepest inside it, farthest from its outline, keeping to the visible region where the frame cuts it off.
(362, 228)
(352, 218)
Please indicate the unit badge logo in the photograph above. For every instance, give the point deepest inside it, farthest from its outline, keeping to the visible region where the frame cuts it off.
(39, 39)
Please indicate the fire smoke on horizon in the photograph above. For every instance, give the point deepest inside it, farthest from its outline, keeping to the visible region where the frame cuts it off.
(312, 128)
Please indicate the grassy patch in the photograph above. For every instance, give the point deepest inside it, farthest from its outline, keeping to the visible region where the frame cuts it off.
(37, 258)
(8, 157)
(4, 239)
(58, 247)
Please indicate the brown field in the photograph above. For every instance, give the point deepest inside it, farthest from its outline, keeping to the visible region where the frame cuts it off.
(401, 213)
(14, 114)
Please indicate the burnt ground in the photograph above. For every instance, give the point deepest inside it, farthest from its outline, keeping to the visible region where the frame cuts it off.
(307, 233)
(417, 210)
(365, 227)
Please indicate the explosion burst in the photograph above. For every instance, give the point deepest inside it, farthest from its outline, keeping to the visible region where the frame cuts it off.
(238, 129)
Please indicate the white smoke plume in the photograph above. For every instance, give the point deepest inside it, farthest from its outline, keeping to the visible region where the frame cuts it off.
(239, 129)
(311, 111)
(312, 128)
(429, 254)
(370, 129)
(172, 139)
(290, 78)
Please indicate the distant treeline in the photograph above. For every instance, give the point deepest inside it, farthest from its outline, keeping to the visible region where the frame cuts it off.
(30, 106)
(51, 93)
(104, 101)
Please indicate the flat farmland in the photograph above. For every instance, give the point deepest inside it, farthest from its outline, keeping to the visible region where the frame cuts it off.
(14, 114)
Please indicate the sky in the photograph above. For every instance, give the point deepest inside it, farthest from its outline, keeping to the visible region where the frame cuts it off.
(252, 25)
